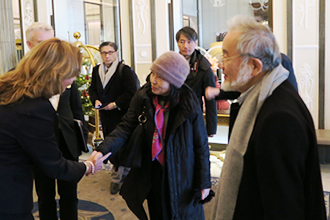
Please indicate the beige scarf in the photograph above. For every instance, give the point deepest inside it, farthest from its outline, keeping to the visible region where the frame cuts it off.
(230, 178)
(106, 76)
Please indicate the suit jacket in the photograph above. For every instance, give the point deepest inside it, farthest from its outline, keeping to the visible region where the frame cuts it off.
(120, 89)
(281, 176)
(27, 139)
(69, 108)
(200, 77)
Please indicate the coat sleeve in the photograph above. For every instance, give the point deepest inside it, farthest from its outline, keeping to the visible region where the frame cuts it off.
(36, 136)
(129, 83)
(92, 90)
(117, 138)
(210, 105)
(224, 95)
(76, 108)
(284, 146)
(202, 154)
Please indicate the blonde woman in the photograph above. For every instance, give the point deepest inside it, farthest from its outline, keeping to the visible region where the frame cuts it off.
(27, 136)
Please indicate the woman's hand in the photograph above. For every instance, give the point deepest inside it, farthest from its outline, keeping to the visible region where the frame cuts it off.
(205, 193)
(95, 160)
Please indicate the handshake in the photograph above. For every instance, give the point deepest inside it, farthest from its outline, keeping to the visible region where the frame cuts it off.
(94, 162)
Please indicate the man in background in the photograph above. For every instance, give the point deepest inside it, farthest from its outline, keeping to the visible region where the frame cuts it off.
(272, 168)
(200, 76)
(112, 88)
(68, 107)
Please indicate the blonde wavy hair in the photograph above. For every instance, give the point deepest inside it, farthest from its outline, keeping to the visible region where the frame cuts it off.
(40, 73)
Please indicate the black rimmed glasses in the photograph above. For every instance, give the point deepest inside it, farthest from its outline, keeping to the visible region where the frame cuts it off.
(104, 53)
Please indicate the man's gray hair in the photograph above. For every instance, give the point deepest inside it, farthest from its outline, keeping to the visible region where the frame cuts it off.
(37, 26)
(256, 40)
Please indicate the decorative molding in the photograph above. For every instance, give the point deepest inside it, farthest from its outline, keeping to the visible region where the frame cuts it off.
(306, 47)
(143, 54)
(143, 45)
(306, 85)
(29, 14)
(141, 8)
(305, 6)
(144, 62)
(218, 3)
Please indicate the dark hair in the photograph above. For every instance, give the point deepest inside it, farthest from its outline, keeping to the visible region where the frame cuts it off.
(172, 98)
(188, 32)
(108, 43)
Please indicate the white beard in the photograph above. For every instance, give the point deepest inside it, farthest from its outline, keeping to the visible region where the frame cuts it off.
(243, 78)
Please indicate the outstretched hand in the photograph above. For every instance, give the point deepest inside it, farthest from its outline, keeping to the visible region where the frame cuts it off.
(97, 159)
(211, 92)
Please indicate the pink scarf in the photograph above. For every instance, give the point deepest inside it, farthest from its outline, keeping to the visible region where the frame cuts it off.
(159, 133)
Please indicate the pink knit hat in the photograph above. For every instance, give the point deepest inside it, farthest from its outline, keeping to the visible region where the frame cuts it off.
(172, 67)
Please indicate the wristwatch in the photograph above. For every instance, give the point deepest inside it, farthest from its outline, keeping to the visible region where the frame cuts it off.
(115, 105)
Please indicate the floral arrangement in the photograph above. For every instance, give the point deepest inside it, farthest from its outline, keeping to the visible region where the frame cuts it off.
(83, 82)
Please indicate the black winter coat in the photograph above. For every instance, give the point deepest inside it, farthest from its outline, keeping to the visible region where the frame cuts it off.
(281, 175)
(200, 77)
(186, 148)
(120, 89)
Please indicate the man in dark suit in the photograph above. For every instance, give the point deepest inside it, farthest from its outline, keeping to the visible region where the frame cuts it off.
(200, 76)
(68, 107)
(112, 88)
(271, 169)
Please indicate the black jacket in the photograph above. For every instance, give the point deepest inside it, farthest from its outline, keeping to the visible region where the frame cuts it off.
(69, 108)
(27, 139)
(200, 77)
(120, 89)
(281, 176)
(186, 153)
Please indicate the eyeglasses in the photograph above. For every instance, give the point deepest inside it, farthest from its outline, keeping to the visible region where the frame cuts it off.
(223, 59)
(104, 53)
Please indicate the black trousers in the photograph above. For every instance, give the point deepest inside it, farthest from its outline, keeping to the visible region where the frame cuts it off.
(46, 191)
(158, 196)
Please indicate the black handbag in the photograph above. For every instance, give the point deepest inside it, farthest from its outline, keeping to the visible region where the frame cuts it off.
(78, 129)
(130, 155)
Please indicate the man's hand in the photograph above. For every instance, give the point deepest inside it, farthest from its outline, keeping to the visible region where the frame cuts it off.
(110, 106)
(211, 92)
(97, 103)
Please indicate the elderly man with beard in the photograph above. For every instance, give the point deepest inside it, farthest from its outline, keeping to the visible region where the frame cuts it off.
(272, 168)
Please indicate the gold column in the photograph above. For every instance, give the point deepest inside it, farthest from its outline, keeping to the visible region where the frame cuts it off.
(7, 37)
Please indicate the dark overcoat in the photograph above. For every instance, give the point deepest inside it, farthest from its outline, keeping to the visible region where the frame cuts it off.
(186, 148)
(281, 175)
(200, 77)
(120, 89)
